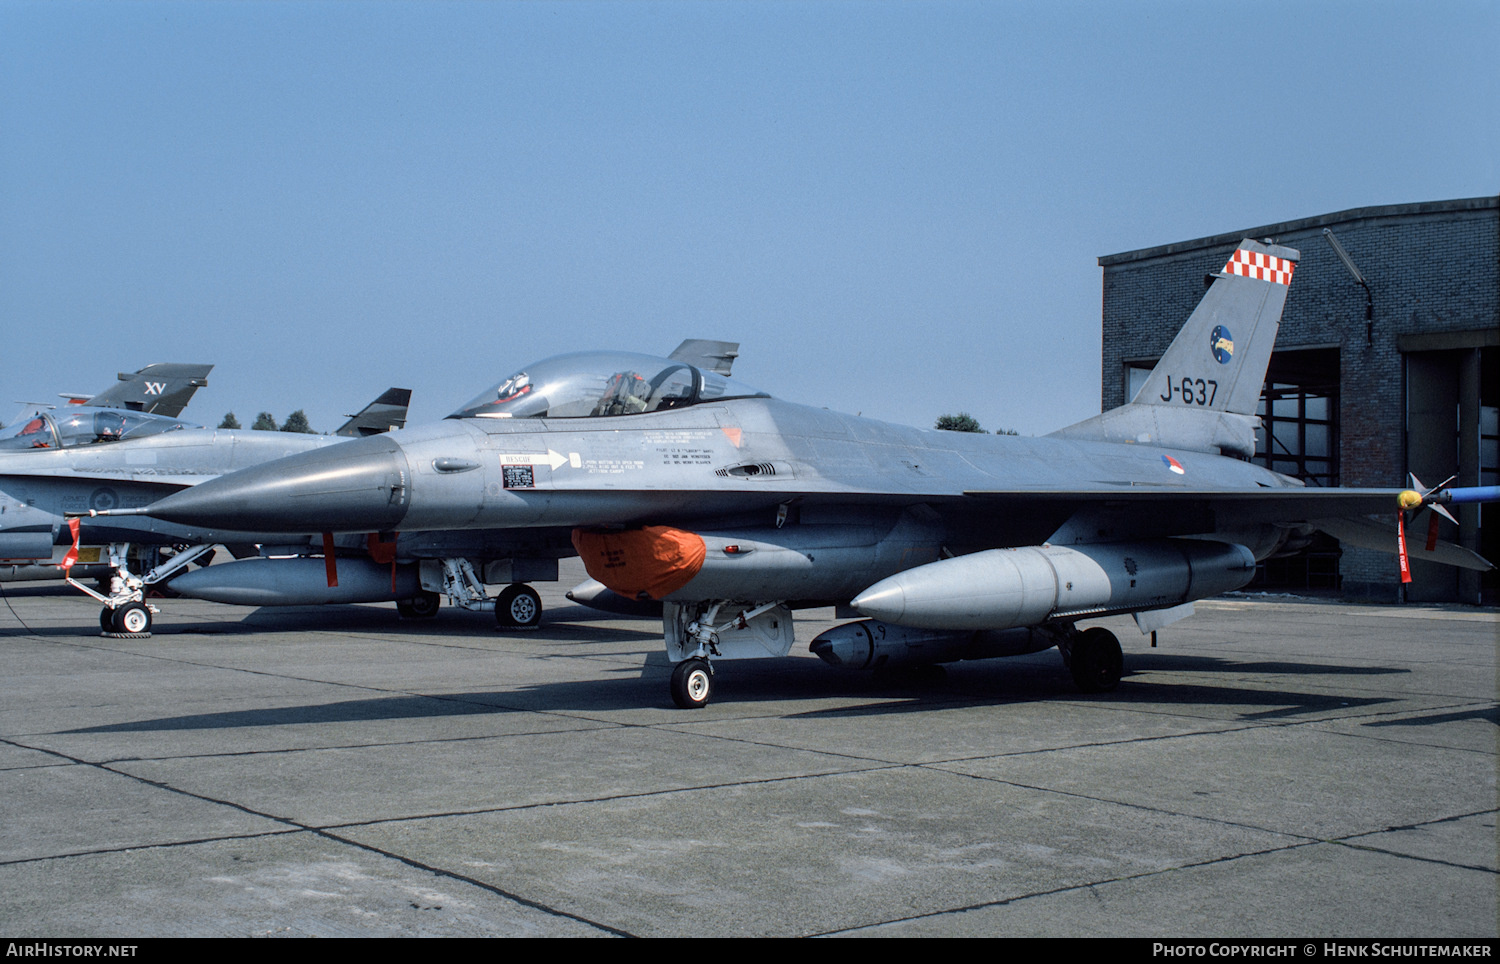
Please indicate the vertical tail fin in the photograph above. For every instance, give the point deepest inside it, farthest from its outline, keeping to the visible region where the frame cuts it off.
(1203, 393)
(1218, 360)
(164, 388)
(715, 356)
(385, 414)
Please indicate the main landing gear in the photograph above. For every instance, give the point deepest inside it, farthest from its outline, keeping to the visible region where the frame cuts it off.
(518, 607)
(1094, 658)
(698, 632)
(424, 605)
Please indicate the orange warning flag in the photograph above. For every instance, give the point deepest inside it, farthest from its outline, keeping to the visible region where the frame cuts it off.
(71, 556)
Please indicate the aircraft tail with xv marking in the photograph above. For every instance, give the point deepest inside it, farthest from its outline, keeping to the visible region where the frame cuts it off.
(160, 389)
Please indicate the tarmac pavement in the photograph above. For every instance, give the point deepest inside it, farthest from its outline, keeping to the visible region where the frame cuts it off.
(1277, 767)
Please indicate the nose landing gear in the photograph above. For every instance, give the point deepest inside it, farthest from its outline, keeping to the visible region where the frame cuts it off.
(692, 683)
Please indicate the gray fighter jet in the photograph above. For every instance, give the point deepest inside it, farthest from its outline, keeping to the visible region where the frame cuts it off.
(78, 458)
(730, 508)
(163, 389)
(458, 562)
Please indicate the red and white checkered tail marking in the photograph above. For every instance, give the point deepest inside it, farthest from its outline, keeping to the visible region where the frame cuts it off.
(1253, 264)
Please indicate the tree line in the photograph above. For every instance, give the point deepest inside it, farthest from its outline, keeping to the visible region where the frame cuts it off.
(266, 422)
(964, 422)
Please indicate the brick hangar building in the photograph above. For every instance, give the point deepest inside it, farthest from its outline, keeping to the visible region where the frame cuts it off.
(1368, 381)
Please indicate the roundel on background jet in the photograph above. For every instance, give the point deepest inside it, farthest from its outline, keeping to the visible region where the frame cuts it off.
(1221, 343)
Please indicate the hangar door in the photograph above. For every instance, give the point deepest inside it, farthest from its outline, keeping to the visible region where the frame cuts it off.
(1453, 429)
(1299, 436)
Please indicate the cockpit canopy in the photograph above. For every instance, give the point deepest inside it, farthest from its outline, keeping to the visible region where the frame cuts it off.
(83, 426)
(601, 383)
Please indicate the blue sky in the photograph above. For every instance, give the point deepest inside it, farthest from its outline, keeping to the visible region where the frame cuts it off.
(896, 207)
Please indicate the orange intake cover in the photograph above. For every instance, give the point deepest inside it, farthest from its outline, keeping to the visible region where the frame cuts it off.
(652, 561)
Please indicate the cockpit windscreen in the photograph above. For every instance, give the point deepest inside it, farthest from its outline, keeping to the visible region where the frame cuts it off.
(597, 384)
(83, 426)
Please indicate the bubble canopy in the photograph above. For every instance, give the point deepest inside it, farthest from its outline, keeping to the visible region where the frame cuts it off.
(595, 384)
(86, 426)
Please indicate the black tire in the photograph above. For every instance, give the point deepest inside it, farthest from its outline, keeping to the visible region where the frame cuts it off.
(423, 605)
(692, 683)
(107, 620)
(134, 619)
(518, 607)
(1097, 662)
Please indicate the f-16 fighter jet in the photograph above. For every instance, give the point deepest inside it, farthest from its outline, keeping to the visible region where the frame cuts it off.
(679, 486)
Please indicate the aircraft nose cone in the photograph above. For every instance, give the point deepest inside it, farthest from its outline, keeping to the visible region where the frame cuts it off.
(358, 486)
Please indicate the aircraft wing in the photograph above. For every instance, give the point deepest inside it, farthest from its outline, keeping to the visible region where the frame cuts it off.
(1285, 505)
(1345, 514)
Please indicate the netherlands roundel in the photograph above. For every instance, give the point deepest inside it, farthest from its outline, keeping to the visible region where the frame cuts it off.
(1221, 343)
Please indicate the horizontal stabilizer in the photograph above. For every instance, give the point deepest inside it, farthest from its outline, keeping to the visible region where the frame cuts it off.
(1381, 536)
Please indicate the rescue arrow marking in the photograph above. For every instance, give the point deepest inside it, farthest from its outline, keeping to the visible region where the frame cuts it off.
(555, 460)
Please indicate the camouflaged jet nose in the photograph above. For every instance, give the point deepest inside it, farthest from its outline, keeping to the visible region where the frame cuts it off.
(360, 485)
